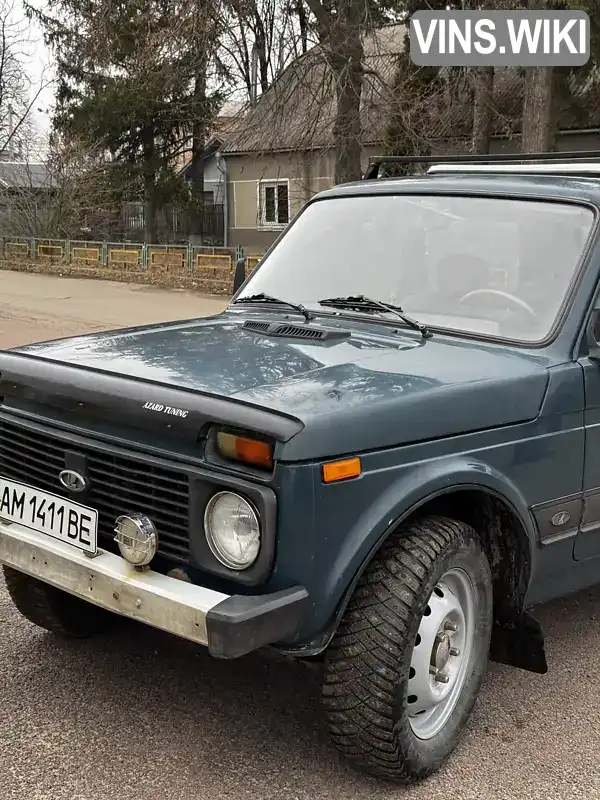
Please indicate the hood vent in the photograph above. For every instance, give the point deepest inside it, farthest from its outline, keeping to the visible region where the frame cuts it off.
(307, 332)
(260, 327)
(298, 332)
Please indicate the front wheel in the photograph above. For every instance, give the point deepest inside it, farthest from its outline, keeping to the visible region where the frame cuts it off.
(405, 666)
(54, 610)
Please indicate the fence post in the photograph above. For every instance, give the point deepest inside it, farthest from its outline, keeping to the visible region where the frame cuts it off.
(67, 253)
(190, 259)
(144, 259)
(33, 250)
(104, 254)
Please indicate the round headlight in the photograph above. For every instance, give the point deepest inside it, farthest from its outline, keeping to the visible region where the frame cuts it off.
(137, 539)
(232, 530)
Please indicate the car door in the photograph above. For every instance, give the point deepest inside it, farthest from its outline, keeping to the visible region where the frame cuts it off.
(587, 544)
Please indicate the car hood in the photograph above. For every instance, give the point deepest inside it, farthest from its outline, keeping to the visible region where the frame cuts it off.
(376, 388)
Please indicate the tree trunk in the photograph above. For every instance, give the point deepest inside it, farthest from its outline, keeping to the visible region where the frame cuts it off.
(347, 66)
(536, 128)
(150, 210)
(196, 168)
(340, 36)
(260, 42)
(347, 127)
(150, 222)
(303, 25)
(537, 118)
(483, 80)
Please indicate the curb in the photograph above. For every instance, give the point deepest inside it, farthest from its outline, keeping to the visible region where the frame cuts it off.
(157, 279)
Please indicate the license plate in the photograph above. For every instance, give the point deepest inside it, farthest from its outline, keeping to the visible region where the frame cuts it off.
(49, 514)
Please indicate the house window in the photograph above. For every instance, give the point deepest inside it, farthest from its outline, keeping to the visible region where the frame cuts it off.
(275, 206)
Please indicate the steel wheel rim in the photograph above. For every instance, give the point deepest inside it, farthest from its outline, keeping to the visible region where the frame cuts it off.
(441, 653)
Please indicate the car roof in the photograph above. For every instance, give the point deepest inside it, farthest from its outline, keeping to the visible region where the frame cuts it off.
(493, 184)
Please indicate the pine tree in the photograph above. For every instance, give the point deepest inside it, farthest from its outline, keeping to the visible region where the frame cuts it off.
(132, 76)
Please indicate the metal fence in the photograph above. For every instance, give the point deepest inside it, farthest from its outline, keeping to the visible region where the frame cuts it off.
(173, 225)
(213, 265)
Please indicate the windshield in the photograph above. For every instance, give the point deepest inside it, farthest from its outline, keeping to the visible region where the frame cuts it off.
(499, 267)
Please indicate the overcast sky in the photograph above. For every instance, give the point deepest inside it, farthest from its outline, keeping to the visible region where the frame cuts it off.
(38, 63)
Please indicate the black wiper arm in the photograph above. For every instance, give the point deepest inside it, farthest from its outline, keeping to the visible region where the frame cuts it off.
(266, 298)
(362, 303)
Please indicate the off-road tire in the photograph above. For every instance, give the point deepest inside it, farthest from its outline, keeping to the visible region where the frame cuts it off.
(367, 665)
(55, 610)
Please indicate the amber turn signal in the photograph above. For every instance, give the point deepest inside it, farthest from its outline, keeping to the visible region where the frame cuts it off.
(238, 448)
(341, 470)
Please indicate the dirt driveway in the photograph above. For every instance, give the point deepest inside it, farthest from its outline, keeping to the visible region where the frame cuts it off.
(137, 714)
(37, 307)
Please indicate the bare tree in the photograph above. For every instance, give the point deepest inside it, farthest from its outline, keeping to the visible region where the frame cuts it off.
(326, 49)
(340, 30)
(69, 195)
(259, 39)
(18, 92)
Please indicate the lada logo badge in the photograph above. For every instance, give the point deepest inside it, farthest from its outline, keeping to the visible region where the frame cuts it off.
(560, 519)
(72, 480)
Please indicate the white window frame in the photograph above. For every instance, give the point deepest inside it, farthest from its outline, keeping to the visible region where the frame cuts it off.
(261, 186)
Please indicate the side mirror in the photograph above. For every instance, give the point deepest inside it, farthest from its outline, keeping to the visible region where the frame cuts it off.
(240, 274)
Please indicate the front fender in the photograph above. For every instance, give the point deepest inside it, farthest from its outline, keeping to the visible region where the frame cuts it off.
(405, 496)
(415, 487)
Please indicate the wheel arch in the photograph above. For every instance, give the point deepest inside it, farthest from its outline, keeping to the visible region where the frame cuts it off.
(499, 525)
(500, 517)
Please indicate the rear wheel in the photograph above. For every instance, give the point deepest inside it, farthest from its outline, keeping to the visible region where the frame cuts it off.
(53, 609)
(405, 666)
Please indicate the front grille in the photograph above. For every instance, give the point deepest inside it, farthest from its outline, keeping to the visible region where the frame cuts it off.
(118, 484)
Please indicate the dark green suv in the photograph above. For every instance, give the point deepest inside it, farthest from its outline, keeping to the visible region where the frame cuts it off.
(380, 455)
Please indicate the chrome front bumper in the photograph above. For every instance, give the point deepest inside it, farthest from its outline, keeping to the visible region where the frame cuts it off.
(229, 625)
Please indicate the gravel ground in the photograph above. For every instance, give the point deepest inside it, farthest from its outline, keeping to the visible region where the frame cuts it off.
(138, 714)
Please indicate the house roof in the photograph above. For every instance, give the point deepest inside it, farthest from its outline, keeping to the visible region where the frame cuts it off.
(229, 118)
(298, 110)
(225, 123)
(21, 175)
(443, 122)
(212, 146)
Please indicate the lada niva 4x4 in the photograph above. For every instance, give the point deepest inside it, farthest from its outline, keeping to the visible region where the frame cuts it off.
(380, 456)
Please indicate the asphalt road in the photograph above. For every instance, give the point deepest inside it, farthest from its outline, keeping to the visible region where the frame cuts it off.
(138, 714)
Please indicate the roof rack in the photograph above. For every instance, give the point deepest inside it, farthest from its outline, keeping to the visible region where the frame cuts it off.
(491, 163)
(577, 169)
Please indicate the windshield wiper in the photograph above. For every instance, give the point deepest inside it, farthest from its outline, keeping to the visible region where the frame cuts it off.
(266, 298)
(362, 303)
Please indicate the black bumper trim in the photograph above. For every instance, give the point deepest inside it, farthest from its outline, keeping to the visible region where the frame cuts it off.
(241, 624)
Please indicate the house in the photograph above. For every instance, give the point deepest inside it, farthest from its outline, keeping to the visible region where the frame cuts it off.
(215, 179)
(214, 172)
(281, 153)
(18, 176)
(442, 121)
(26, 191)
